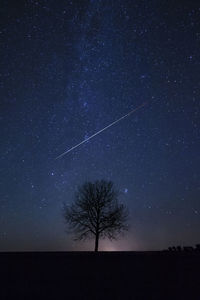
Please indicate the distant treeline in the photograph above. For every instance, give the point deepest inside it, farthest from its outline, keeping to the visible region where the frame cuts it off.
(185, 249)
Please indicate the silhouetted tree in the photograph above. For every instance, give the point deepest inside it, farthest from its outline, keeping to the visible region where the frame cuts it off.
(96, 212)
(197, 247)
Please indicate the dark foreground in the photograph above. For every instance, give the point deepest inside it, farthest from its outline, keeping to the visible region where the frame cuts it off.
(104, 275)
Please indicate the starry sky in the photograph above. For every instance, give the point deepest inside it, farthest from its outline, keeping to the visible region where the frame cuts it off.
(70, 68)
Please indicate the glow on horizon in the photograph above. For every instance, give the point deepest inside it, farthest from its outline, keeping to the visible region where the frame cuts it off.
(109, 248)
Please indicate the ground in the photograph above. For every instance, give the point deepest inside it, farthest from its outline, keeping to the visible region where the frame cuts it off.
(103, 275)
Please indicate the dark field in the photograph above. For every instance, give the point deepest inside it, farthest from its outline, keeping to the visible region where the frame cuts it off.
(103, 275)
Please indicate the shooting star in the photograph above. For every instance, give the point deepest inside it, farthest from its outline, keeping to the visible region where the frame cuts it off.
(89, 138)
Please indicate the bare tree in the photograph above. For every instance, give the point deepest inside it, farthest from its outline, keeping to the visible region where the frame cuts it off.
(96, 212)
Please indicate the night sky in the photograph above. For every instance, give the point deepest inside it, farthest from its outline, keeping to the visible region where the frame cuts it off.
(70, 68)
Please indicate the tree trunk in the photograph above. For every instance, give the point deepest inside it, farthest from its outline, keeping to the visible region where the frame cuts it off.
(96, 242)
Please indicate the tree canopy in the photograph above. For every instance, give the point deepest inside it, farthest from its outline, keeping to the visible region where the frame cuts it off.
(96, 212)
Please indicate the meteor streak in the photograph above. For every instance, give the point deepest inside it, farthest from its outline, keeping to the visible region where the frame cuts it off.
(132, 111)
